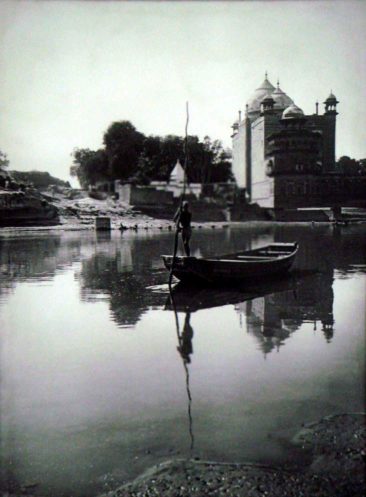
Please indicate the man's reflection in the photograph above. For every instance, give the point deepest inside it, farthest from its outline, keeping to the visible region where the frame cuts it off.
(185, 347)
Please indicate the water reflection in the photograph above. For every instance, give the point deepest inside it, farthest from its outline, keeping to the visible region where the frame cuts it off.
(79, 397)
(272, 319)
(185, 349)
(273, 310)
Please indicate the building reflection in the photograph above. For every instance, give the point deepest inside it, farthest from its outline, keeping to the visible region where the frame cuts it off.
(123, 269)
(272, 319)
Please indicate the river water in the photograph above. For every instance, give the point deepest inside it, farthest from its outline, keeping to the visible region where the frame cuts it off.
(101, 379)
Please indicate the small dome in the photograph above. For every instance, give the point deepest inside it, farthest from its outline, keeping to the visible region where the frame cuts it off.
(265, 89)
(293, 112)
(282, 101)
(267, 99)
(331, 98)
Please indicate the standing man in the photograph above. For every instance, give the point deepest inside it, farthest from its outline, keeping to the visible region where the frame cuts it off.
(183, 219)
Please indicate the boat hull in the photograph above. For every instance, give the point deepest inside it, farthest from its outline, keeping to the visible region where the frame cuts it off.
(229, 271)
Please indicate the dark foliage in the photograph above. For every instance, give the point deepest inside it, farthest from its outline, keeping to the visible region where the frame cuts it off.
(351, 167)
(123, 145)
(90, 166)
(130, 156)
(38, 179)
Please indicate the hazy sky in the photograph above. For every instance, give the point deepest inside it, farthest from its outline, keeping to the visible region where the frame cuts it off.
(70, 68)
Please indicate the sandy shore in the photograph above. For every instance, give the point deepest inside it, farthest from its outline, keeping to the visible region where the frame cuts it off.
(337, 469)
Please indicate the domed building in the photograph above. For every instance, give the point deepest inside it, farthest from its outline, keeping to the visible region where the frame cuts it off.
(282, 101)
(254, 102)
(293, 112)
(279, 152)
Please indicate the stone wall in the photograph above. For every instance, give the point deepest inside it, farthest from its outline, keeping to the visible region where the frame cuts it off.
(239, 155)
(292, 191)
(143, 195)
(19, 209)
(326, 124)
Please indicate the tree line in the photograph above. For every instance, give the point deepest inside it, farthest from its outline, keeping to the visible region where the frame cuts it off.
(351, 167)
(129, 155)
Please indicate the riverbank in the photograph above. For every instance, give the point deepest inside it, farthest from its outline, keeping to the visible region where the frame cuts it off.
(337, 469)
(75, 210)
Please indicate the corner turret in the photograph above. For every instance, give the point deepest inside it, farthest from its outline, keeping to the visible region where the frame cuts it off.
(331, 104)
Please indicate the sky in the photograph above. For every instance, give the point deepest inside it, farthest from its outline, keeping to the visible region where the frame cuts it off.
(68, 69)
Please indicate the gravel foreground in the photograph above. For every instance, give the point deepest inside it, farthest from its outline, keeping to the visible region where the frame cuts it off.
(337, 469)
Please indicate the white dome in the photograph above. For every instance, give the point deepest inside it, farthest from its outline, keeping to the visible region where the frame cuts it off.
(265, 89)
(293, 112)
(282, 101)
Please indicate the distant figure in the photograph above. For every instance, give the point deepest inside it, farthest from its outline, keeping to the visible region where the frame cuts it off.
(183, 219)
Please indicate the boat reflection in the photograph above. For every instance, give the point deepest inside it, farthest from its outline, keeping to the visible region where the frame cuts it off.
(191, 299)
(272, 311)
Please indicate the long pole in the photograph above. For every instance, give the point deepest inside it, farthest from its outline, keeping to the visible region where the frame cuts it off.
(181, 199)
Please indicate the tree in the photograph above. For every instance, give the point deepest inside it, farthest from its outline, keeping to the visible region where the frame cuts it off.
(129, 155)
(362, 163)
(4, 162)
(208, 161)
(351, 167)
(172, 149)
(89, 166)
(39, 179)
(123, 145)
(159, 156)
(149, 162)
(222, 172)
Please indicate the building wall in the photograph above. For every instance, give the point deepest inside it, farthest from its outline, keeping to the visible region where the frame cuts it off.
(239, 156)
(326, 124)
(294, 191)
(143, 195)
(176, 188)
(262, 191)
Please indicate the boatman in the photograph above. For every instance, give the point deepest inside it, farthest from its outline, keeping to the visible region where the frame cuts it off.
(183, 219)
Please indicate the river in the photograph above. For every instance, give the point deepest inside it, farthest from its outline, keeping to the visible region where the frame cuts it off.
(96, 386)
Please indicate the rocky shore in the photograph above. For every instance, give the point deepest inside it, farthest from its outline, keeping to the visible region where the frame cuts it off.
(77, 213)
(337, 469)
(334, 451)
(65, 209)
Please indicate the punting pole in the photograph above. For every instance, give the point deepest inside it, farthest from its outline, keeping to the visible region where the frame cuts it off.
(181, 198)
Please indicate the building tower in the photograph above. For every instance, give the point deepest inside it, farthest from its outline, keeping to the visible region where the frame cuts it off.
(268, 111)
(329, 132)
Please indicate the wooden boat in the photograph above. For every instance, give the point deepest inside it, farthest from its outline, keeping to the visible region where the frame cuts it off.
(264, 262)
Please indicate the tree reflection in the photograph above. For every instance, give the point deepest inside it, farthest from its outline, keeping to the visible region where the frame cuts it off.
(126, 291)
(122, 269)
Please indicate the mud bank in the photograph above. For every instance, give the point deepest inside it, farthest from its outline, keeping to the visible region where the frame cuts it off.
(337, 469)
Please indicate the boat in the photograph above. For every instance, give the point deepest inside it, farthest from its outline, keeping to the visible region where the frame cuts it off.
(185, 298)
(250, 265)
